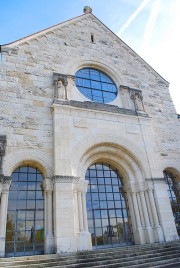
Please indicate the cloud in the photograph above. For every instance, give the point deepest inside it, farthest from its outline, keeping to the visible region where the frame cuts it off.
(132, 17)
(151, 24)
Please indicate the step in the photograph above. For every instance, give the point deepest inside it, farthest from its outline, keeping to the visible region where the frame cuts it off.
(102, 257)
(101, 261)
(128, 256)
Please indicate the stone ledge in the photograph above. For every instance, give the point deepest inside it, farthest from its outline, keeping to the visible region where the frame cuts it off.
(100, 107)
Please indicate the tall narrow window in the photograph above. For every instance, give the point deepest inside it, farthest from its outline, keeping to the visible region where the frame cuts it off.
(25, 217)
(173, 189)
(107, 207)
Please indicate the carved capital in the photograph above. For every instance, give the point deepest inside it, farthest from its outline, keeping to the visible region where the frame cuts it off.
(48, 185)
(83, 185)
(6, 182)
(2, 145)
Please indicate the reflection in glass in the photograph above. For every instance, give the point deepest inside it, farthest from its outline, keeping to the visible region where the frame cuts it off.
(108, 216)
(25, 217)
(95, 85)
(173, 188)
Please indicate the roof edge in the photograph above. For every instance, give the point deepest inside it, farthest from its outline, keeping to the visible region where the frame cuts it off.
(41, 32)
(36, 34)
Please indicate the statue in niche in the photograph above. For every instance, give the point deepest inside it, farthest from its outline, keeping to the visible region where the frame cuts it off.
(60, 90)
(138, 101)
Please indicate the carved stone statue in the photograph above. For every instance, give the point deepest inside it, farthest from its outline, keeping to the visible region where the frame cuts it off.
(61, 90)
(137, 97)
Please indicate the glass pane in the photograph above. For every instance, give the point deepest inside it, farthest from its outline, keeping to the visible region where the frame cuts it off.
(25, 217)
(103, 88)
(107, 223)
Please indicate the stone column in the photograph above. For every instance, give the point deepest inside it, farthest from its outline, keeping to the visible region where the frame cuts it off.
(149, 232)
(158, 232)
(80, 213)
(138, 232)
(136, 210)
(3, 213)
(49, 237)
(84, 206)
(76, 216)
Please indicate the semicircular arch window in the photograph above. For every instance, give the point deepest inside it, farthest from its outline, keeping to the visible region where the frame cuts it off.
(96, 85)
(25, 215)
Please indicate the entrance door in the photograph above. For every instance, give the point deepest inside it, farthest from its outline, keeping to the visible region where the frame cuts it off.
(107, 207)
(25, 218)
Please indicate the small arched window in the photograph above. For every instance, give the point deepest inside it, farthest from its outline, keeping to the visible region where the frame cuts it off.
(96, 85)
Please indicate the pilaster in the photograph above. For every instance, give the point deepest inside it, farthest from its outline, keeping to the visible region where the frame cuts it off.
(167, 230)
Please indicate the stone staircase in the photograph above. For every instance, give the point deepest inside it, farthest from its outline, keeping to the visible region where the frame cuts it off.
(166, 255)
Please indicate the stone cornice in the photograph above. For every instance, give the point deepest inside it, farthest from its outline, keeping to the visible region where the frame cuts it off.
(65, 179)
(97, 106)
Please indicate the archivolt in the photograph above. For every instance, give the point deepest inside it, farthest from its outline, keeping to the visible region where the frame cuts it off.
(25, 157)
(172, 166)
(120, 157)
(100, 65)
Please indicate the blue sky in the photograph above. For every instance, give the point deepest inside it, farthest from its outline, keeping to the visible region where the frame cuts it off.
(150, 27)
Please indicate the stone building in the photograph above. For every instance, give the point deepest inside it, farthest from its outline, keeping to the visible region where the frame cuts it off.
(89, 144)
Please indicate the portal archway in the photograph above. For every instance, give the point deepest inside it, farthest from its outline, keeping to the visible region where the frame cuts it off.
(108, 214)
(25, 216)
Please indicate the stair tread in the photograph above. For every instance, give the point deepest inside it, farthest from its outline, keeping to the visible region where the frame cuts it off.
(132, 256)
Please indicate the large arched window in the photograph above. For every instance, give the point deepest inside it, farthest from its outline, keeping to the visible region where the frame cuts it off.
(25, 217)
(107, 207)
(96, 85)
(173, 189)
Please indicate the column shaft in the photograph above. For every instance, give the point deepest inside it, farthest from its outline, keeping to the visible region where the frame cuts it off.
(3, 213)
(153, 206)
(144, 207)
(76, 212)
(84, 213)
(136, 209)
(80, 212)
(49, 212)
(149, 208)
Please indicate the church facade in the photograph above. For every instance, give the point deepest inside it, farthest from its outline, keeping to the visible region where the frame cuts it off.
(89, 144)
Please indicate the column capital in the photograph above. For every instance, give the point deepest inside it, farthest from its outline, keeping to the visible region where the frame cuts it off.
(48, 184)
(81, 186)
(130, 187)
(5, 183)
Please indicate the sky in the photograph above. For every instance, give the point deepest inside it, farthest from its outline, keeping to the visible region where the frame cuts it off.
(149, 27)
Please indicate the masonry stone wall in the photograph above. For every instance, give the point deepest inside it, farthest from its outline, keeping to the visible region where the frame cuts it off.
(27, 83)
(65, 137)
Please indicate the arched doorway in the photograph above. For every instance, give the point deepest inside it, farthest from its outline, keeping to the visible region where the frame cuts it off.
(25, 216)
(107, 207)
(173, 189)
